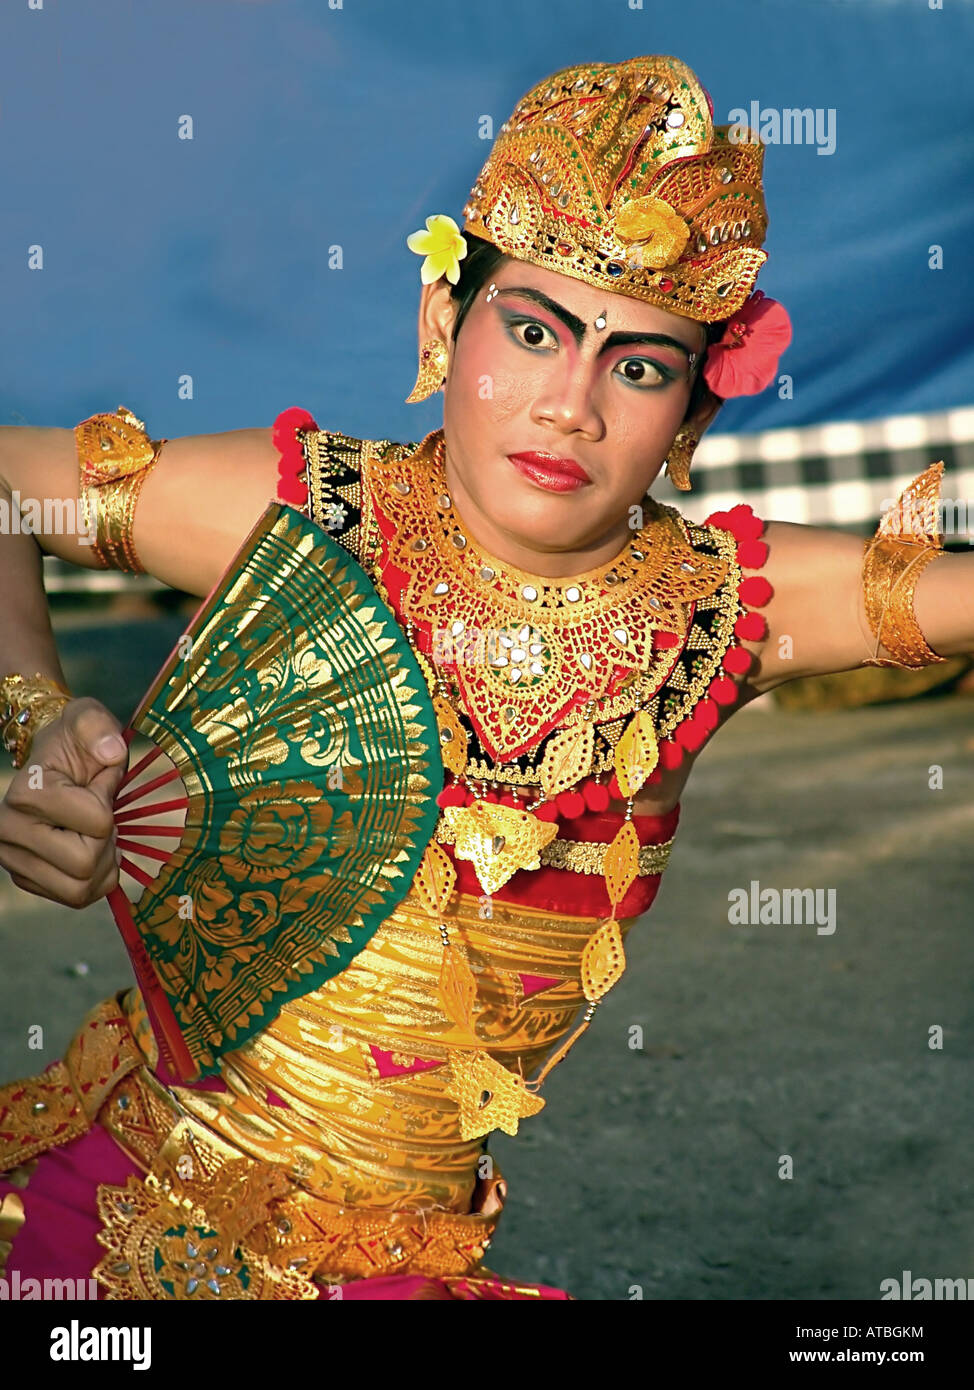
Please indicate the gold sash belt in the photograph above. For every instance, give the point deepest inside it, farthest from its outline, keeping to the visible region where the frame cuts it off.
(63, 1102)
(583, 856)
(207, 1222)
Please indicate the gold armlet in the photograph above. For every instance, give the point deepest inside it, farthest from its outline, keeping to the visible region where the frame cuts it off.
(115, 456)
(27, 703)
(907, 540)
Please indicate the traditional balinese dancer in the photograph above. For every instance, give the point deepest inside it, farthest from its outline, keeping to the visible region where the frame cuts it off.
(581, 642)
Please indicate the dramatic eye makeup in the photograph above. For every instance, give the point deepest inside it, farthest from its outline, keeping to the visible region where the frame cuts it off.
(529, 332)
(646, 371)
(638, 371)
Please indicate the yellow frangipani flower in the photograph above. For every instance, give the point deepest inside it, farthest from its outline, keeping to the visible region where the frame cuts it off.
(442, 245)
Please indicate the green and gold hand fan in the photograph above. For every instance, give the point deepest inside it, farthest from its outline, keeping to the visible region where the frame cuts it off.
(286, 798)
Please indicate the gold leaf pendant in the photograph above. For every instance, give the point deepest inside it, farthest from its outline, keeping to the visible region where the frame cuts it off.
(621, 863)
(435, 880)
(498, 840)
(603, 960)
(567, 759)
(453, 736)
(636, 753)
(489, 1096)
(457, 988)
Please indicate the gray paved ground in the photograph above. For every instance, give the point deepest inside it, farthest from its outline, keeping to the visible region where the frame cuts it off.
(658, 1167)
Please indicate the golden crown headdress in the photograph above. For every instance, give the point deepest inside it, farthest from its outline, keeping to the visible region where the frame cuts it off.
(615, 174)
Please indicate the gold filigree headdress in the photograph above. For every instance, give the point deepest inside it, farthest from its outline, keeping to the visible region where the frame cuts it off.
(615, 174)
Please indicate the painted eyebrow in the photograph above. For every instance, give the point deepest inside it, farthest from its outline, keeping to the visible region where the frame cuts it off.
(577, 327)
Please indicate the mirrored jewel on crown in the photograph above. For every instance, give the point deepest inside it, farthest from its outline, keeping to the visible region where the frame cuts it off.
(614, 174)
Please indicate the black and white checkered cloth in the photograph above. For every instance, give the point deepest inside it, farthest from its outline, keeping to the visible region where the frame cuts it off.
(840, 475)
(843, 476)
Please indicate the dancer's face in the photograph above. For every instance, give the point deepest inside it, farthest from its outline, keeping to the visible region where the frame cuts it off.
(531, 372)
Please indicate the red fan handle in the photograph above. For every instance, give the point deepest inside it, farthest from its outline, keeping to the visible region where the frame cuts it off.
(171, 1043)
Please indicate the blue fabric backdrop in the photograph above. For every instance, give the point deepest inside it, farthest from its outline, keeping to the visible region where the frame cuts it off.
(316, 125)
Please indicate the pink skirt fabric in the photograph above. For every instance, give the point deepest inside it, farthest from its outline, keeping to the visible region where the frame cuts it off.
(57, 1239)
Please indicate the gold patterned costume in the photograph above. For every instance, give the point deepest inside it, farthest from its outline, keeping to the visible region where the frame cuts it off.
(348, 1137)
(344, 1142)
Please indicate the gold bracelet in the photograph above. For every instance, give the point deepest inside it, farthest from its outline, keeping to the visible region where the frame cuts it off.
(907, 540)
(27, 704)
(890, 574)
(115, 456)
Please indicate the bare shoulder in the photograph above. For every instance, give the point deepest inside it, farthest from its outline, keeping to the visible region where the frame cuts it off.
(195, 507)
(816, 619)
(794, 549)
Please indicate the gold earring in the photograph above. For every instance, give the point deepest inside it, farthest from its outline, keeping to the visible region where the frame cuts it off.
(433, 360)
(680, 457)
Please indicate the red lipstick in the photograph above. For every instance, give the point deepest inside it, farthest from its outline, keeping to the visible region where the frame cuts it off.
(551, 473)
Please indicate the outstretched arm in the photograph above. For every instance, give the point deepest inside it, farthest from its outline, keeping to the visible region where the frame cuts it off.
(817, 620)
(195, 508)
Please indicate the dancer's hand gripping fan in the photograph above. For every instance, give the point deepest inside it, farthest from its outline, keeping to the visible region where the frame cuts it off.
(286, 797)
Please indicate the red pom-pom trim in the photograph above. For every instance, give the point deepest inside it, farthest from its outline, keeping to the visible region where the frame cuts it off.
(596, 796)
(291, 488)
(754, 591)
(493, 798)
(670, 754)
(655, 777)
(292, 491)
(737, 660)
(570, 804)
(284, 427)
(752, 554)
(509, 799)
(723, 690)
(615, 791)
(707, 714)
(452, 796)
(664, 640)
(743, 523)
(746, 527)
(751, 627)
(690, 735)
(547, 811)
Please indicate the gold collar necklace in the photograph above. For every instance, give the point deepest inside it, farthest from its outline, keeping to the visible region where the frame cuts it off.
(531, 652)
